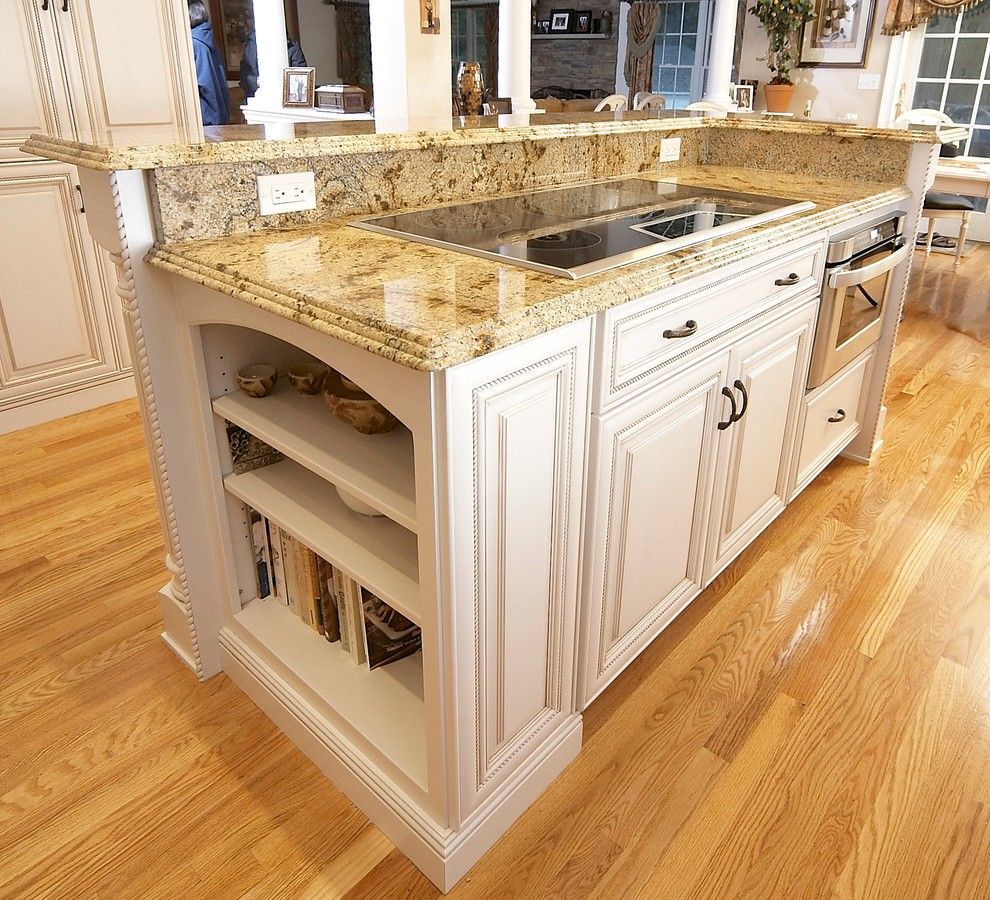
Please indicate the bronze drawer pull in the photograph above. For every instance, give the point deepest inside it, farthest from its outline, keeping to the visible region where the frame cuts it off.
(733, 416)
(793, 278)
(690, 327)
(739, 386)
(840, 414)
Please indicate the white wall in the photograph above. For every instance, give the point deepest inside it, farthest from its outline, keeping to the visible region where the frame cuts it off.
(318, 36)
(833, 92)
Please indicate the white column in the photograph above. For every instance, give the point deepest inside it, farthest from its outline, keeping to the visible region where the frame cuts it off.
(514, 53)
(273, 54)
(410, 70)
(720, 54)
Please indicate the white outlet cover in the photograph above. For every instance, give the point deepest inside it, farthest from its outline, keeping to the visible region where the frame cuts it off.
(670, 149)
(869, 81)
(300, 188)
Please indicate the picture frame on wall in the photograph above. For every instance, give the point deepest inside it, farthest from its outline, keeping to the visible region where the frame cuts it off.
(582, 22)
(561, 21)
(298, 86)
(839, 35)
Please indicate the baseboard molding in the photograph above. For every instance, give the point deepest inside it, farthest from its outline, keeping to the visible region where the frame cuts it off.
(443, 855)
(77, 400)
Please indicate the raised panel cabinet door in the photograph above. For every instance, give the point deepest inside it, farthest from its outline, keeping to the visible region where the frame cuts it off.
(516, 432)
(55, 315)
(770, 371)
(35, 100)
(129, 68)
(647, 516)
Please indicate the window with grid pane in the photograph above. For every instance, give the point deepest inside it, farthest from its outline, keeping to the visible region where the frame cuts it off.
(954, 73)
(680, 57)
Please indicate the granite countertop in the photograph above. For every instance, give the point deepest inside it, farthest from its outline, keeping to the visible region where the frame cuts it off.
(245, 143)
(429, 309)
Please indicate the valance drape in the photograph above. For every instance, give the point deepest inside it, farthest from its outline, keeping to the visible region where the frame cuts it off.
(491, 46)
(903, 15)
(641, 35)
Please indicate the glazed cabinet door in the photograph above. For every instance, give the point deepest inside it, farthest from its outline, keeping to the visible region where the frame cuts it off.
(654, 458)
(128, 63)
(56, 331)
(35, 99)
(516, 429)
(769, 374)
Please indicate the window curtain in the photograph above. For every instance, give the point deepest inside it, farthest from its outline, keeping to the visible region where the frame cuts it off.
(641, 35)
(491, 46)
(903, 15)
(354, 44)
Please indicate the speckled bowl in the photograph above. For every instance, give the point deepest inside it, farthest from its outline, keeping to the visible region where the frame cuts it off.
(257, 380)
(307, 378)
(355, 407)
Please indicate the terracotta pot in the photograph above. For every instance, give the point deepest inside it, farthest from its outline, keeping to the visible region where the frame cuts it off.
(778, 96)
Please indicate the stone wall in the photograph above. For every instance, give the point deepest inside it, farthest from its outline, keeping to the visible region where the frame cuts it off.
(579, 64)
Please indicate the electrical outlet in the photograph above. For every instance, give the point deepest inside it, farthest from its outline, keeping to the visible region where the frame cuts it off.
(869, 81)
(291, 192)
(670, 149)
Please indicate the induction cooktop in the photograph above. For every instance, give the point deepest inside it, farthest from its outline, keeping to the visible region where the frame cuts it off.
(587, 228)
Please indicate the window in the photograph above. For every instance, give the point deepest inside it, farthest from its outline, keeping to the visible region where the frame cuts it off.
(954, 73)
(467, 38)
(680, 58)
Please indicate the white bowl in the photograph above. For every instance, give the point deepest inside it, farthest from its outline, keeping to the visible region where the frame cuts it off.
(356, 503)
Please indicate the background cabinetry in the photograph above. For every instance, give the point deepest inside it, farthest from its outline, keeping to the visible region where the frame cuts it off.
(82, 70)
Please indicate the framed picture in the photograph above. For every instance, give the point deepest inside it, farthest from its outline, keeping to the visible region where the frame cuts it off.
(429, 21)
(582, 23)
(839, 35)
(743, 96)
(497, 106)
(298, 86)
(561, 21)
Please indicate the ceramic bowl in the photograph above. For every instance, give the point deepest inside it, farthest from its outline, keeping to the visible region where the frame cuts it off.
(257, 380)
(352, 501)
(355, 407)
(307, 378)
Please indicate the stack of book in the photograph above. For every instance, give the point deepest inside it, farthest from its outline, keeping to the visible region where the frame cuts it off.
(326, 599)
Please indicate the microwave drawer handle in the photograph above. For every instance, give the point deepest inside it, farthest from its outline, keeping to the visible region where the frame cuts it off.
(690, 327)
(859, 276)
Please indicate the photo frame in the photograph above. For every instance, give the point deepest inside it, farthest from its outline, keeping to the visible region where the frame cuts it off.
(298, 86)
(497, 106)
(561, 21)
(429, 21)
(839, 35)
(742, 94)
(582, 22)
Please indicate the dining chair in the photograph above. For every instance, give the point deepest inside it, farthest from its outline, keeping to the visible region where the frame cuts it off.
(614, 102)
(940, 205)
(709, 106)
(649, 101)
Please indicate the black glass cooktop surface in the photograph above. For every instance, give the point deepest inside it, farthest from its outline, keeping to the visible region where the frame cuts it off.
(588, 228)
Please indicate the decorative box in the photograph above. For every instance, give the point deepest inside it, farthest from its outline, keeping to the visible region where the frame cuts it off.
(345, 98)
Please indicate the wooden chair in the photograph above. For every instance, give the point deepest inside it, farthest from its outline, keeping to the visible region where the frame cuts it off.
(614, 102)
(646, 100)
(939, 205)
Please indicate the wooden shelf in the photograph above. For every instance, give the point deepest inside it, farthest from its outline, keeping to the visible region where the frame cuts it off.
(378, 468)
(384, 706)
(376, 552)
(570, 37)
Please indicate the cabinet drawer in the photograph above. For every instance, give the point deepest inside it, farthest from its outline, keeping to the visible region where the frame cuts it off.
(822, 437)
(642, 338)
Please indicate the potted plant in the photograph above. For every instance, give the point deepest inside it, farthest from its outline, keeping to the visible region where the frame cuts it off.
(782, 20)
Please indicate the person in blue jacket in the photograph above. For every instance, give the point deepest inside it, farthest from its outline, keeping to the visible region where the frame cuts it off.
(214, 98)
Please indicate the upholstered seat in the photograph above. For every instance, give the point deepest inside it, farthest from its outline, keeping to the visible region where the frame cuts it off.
(938, 200)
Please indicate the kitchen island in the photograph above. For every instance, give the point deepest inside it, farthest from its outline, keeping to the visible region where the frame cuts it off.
(567, 477)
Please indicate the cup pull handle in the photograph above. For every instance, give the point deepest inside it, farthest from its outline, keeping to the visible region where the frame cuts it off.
(840, 414)
(793, 278)
(690, 327)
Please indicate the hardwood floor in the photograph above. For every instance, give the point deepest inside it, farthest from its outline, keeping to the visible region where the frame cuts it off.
(816, 724)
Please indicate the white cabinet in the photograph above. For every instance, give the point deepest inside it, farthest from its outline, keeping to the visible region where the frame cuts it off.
(686, 474)
(768, 380)
(83, 70)
(516, 429)
(649, 507)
